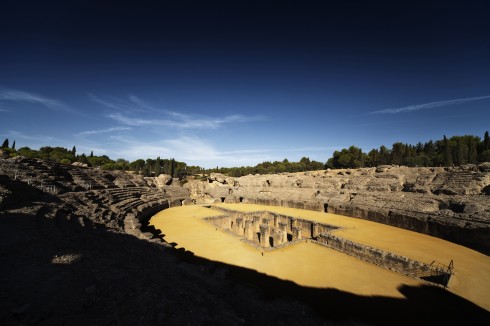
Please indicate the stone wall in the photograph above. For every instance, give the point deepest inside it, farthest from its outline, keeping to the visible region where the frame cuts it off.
(450, 203)
(280, 228)
(375, 256)
(118, 200)
(385, 259)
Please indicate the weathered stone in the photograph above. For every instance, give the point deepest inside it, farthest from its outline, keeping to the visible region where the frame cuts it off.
(383, 168)
(160, 182)
(264, 235)
(51, 212)
(455, 200)
(296, 233)
(484, 167)
(372, 193)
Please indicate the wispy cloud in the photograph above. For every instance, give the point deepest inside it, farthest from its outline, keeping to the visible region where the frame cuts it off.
(190, 149)
(37, 138)
(312, 149)
(21, 96)
(133, 105)
(101, 131)
(184, 122)
(150, 108)
(4, 110)
(142, 104)
(115, 103)
(199, 151)
(283, 150)
(430, 105)
(124, 112)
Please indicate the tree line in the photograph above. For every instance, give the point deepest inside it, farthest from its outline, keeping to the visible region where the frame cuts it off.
(267, 167)
(155, 167)
(457, 150)
(148, 167)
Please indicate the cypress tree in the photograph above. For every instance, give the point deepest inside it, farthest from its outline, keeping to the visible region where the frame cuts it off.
(172, 168)
(13, 145)
(430, 150)
(486, 141)
(459, 152)
(5, 143)
(472, 152)
(158, 168)
(419, 148)
(74, 151)
(148, 170)
(448, 157)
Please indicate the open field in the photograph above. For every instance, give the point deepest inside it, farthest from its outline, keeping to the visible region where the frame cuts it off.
(312, 265)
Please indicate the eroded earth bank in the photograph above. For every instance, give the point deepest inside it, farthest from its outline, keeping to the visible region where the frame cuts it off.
(76, 248)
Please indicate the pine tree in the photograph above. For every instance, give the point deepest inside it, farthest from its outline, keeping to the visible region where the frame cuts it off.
(397, 153)
(384, 155)
(5, 143)
(373, 157)
(13, 145)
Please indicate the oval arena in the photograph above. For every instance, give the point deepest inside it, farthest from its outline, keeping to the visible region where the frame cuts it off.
(359, 246)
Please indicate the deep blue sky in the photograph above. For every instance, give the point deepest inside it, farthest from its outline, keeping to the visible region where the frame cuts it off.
(239, 82)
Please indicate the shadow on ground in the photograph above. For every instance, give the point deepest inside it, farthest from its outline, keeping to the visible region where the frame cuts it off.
(57, 271)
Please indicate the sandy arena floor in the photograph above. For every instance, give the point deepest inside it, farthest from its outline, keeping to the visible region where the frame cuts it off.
(313, 265)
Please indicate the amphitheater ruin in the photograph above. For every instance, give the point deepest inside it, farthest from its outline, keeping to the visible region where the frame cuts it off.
(367, 233)
(269, 231)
